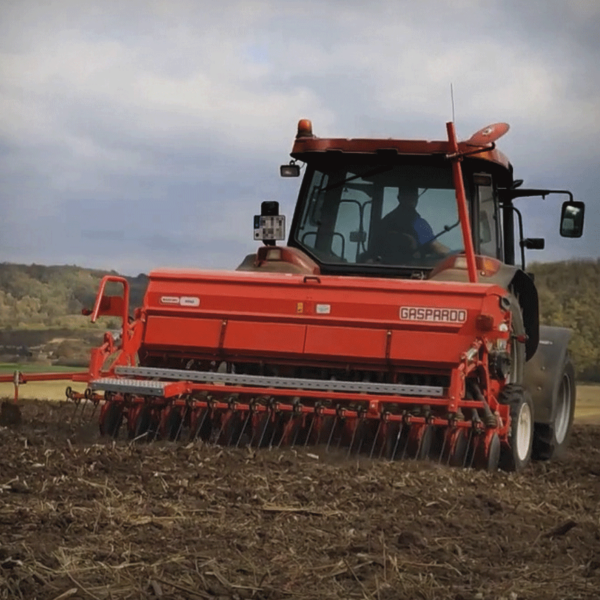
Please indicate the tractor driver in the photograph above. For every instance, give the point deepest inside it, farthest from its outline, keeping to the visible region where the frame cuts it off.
(405, 233)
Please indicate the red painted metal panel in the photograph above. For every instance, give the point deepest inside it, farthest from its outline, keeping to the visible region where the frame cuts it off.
(271, 338)
(345, 342)
(271, 315)
(181, 332)
(291, 298)
(428, 348)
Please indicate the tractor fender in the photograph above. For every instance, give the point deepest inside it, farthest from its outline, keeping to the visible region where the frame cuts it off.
(520, 284)
(543, 373)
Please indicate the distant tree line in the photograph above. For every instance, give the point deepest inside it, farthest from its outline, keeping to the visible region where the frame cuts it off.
(37, 296)
(41, 297)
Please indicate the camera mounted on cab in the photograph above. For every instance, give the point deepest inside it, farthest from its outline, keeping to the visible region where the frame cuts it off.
(269, 226)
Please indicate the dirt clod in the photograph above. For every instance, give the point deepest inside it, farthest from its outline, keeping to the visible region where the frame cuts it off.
(84, 517)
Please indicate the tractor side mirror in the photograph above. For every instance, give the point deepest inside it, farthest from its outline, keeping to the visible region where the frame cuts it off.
(571, 219)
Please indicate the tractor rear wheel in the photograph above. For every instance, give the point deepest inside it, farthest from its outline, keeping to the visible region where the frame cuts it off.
(551, 440)
(515, 455)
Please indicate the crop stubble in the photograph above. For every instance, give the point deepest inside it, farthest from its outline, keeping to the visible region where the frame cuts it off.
(84, 518)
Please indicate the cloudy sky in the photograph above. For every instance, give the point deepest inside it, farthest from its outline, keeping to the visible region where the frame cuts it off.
(141, 134)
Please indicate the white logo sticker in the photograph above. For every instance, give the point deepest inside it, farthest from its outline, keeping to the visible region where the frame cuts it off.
(181, 301)
(190, 301)
(433, 315)
(323, 309)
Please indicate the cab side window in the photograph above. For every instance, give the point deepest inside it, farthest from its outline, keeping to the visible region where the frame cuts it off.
(488, 223)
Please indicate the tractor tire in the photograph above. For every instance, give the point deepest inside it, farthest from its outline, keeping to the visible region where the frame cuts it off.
(516, 454)
(551, 440)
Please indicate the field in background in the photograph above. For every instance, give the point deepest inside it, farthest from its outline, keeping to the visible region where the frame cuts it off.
(588, 404)
(9, 368)
(587, 410)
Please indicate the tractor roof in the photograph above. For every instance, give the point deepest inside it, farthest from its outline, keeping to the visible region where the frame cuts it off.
(308, 144)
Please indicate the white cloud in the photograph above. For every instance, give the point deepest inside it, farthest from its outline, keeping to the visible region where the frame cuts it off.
(144, 106)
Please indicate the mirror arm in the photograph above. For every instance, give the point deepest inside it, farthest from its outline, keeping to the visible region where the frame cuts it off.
(521, 235)
(511, 194)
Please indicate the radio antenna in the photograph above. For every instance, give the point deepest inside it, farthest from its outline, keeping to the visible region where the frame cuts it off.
(452, 100)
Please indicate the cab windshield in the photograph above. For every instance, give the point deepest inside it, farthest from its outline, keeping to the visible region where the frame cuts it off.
(384, 214)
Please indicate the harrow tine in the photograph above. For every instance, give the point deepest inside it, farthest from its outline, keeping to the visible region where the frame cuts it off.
(441, 457)
(254, 430)
(403, 455)
(233, 426)
(83, 407)
(361, 436)
(182, 420)
(343, 420)
(94, 410)
(285, 430)
(276, 429)
(331, 434)
(321, 426)
(470, 449)
(356, 425)
(224, 418)
(399, 434)
(298, 428)
(310, 427)
(199, 429)
(382, 444)
(262, 435)
(450, 450)
(75, 409)
(418, 452)
(243, 429)
(375, 440)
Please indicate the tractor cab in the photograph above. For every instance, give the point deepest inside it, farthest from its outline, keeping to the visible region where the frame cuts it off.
(385, 207)
(364, 214)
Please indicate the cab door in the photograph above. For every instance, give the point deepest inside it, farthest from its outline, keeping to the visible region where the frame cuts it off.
(487, 230)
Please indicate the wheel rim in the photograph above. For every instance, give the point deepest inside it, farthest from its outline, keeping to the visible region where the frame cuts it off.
(524, 431)
(561, 423)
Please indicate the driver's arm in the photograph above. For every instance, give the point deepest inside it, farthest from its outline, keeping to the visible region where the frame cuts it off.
(424, 233)
(436, 247)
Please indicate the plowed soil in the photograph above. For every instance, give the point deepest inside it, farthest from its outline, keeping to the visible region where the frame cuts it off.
(81, 517)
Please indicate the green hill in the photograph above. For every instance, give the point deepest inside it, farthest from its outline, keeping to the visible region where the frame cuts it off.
(41, 306)
(40, 313)
(40, 297)
(569, 296)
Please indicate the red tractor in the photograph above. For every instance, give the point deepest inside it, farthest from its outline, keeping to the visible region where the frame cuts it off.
(394, 323)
